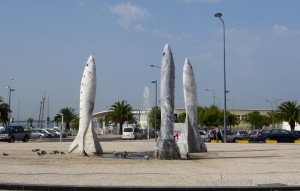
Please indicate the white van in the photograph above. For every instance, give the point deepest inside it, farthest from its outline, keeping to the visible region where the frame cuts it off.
(131, 132)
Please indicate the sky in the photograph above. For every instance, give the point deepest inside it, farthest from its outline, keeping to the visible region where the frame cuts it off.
(45, 44)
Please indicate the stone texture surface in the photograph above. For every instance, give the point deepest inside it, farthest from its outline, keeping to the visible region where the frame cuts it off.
(86, 141)
(190, 140)
(167, 94)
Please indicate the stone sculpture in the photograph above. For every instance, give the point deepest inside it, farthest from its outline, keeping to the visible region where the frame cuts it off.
(86, 141)
(166, 146)
(189, 140)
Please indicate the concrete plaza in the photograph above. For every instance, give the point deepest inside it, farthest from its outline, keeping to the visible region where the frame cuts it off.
(230, 164)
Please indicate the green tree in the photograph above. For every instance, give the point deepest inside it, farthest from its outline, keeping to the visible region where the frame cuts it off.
(29, 121)
(209, 116)
(256, 120)
(120, 112)
(232, 120)
(4, 111)
(266, 121)
(181, 118)
(75, 124)
(289, 111)
(69, 116)
(152, 118)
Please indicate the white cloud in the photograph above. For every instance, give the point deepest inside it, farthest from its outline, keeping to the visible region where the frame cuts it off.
(280, 28)
(129, 14)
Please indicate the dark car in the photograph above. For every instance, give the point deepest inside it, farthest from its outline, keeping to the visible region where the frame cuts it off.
(296, 133)
(253, 136)
(280, 135)
(14, 133)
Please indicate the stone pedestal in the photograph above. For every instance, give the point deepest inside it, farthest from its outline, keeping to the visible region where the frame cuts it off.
(167, 149)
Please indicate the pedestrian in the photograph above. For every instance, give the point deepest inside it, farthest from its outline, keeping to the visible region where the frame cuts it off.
(215, 132)
(219, 134)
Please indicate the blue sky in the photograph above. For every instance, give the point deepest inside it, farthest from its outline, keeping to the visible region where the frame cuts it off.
(45, 44)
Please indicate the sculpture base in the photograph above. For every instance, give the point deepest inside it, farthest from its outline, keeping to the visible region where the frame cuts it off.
(167, 149)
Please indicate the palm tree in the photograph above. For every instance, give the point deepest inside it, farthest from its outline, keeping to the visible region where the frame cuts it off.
(4, 110)
(29, 121)
(69, 116)
(289, 111)
(120, 112)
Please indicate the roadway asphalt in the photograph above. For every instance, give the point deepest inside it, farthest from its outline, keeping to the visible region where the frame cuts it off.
(226, 166)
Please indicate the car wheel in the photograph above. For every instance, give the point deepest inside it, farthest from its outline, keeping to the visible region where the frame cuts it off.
(11, 139)
(25, 140)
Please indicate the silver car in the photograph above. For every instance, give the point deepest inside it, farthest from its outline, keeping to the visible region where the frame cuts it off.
(35, 134)
(204, 135)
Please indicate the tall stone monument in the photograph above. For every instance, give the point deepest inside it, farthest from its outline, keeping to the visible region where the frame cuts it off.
(86, 141)
(167, 148)
(189, 140)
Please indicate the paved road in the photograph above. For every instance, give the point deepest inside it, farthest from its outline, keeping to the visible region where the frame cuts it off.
(223, 165)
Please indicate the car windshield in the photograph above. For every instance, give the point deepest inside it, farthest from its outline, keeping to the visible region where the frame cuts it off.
(2, 129)
(128, 129)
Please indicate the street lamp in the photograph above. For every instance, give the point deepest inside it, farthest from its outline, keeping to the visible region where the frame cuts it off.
(62, 122)
(272, 113)
(214, 95)
(155, 82)
(9, 98)
(219, 15)
(153, 66)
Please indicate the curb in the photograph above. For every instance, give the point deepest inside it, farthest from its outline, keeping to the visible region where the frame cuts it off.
(37, 187)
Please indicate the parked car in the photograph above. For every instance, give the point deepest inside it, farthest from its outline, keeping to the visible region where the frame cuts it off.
(47, 133)
(233, 137)
(253, 136)
(56, 133)
(35, 134)
(297, 133)
(131, 132)
(240, 135)
(14, 133)
(280, 135)
(204, 135)
(151, 133)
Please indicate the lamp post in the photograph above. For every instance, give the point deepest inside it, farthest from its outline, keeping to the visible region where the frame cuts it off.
(155, 82)
(272, 113)
(9, 98)
(214, 95)
(153, 66)
(219, 15)
(62, 122)
(276, 105)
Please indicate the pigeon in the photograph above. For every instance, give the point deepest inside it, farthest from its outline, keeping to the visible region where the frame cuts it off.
(124, 155)
(147, 157)
(5, 154)
(43, 152)
(115, 153)
(62, 153)
(54, 152)
(35, 150)
(38, 153)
